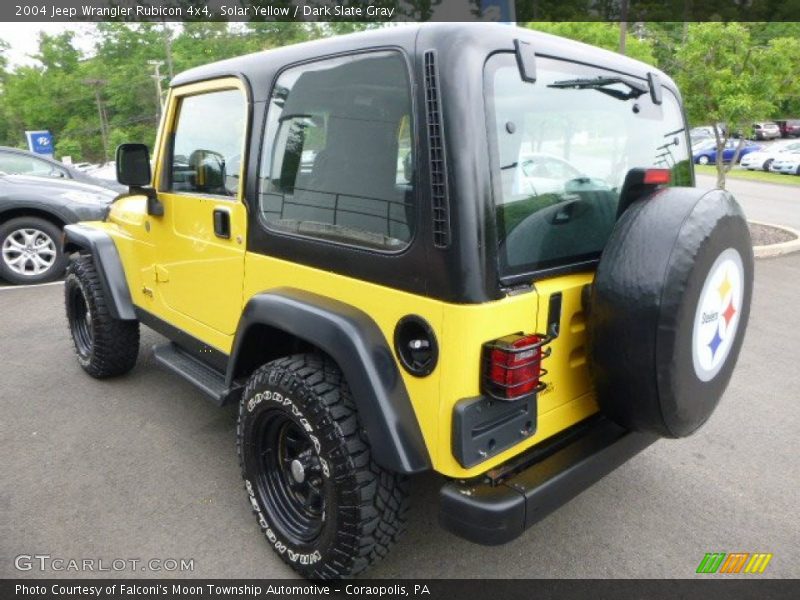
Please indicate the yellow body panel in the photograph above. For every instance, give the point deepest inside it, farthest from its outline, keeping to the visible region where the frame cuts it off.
(460, 329)
(177, 268)
(179, 271)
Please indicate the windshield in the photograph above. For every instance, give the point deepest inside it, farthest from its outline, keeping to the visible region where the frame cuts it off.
(561, 149)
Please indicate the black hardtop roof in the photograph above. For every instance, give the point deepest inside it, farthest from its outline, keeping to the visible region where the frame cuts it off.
(260, 68)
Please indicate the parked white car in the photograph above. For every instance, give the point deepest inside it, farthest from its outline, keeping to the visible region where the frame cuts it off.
(106, 171)
(788, 163)
(763, 158)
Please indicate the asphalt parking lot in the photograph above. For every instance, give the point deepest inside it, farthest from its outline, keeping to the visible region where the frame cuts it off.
(144, 467)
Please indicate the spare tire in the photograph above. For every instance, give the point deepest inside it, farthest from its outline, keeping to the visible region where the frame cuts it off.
(668, 309)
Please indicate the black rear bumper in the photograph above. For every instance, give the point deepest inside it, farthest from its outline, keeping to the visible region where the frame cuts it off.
(492, 514)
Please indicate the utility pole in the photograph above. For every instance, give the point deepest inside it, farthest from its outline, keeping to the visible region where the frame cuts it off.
(623, 26)
(168, 50)
(157, 64)
(101, 112)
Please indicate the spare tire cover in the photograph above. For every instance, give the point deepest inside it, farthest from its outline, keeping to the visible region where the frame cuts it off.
(668, 309)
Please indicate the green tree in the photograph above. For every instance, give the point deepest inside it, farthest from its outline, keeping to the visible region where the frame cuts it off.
(57, 52)
(66, 146)
(726, 77)
(4, 47)
(604, 35)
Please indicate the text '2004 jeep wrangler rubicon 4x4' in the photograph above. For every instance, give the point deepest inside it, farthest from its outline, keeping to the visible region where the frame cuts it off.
(471, 249)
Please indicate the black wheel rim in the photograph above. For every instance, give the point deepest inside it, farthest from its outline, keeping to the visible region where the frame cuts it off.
(80, 320)
(291, 485)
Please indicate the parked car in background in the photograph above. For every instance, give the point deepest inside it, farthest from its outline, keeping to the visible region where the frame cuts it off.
(788, 164)
(762, 159)
(107, 172)
(84, 166)
(766, 130)
(700, 134)
(706, 132)
(789, 127)
(14, 161)
(706, 153)
(33, 211)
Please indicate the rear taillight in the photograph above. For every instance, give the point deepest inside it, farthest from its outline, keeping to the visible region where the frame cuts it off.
(657, 176)
(513, 366)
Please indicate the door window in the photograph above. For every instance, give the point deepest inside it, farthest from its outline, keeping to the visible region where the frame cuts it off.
(338, 160)
(209, 138)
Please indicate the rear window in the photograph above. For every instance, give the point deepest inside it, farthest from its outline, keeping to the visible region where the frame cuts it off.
(561, 148)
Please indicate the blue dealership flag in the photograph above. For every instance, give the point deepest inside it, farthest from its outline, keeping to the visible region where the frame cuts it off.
(40, 142)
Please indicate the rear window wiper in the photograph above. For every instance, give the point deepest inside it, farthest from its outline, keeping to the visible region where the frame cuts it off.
(599, 83)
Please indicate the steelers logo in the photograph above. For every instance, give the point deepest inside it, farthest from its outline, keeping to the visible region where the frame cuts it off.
(717, 317)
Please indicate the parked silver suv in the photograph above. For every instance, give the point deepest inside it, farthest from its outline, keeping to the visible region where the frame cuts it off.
(766, 131)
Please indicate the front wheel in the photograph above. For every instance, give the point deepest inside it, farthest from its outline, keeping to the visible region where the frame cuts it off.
(323, 504)
(767, 164)
(703, 160)
(30, 251)
(105, 346)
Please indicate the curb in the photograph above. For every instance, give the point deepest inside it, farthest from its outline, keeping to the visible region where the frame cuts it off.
(777, 249)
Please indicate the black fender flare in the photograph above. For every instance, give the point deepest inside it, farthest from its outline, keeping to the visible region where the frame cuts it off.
(100, 246)
(352, 339)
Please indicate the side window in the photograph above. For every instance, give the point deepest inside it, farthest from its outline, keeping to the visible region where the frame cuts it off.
(45, 169)
(17, 164)
(209, 138)
(337, 161)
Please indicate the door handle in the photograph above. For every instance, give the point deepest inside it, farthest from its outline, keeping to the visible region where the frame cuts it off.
(222, 223)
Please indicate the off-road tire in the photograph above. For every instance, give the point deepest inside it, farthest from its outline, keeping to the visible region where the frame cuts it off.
(112, 347)
(365, 505)
(48, 229)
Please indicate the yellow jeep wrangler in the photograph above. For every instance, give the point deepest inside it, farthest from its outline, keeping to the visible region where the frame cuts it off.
(472, 249)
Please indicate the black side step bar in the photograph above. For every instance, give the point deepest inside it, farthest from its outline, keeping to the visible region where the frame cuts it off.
(204, 377)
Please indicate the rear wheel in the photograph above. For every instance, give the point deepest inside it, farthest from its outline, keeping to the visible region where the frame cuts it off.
(702, 160)
(30, 251)
(324, 505)
(105, 346)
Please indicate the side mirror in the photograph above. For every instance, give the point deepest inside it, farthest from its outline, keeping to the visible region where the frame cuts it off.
(133, 170)
(209, 170)
(133, 165)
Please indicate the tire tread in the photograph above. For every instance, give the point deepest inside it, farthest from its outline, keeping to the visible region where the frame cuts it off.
(379, 498)
(115, 346)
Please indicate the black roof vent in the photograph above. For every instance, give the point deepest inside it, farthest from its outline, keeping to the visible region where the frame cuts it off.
(438, 168)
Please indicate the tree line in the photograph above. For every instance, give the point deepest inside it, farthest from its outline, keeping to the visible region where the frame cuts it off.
(733, 73)
(93, 103)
